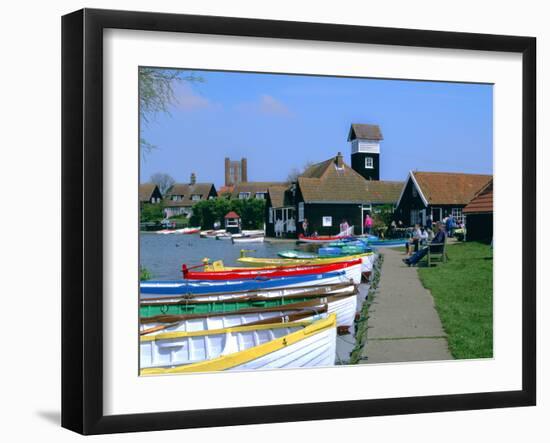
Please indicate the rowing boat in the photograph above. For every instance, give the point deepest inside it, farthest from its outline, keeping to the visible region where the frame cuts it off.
(195, 288)
(220, 320)
(321, 238)
(283, 345)
(198, 312)
(240, 238)
(292, 253)
(352, 269)
(367, 258)
(390, 243)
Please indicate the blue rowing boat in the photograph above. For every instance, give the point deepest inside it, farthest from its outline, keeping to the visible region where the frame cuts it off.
(156, 288)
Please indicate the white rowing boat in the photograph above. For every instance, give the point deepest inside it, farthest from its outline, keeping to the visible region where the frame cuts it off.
(239, 238)
(290, 345)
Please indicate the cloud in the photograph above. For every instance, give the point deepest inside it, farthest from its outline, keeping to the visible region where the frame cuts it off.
(266, 104)
(188, 100)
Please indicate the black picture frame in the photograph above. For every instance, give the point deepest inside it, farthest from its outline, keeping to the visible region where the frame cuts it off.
(82, 230)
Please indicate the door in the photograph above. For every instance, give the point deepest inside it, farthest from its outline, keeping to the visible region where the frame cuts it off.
(437, 214)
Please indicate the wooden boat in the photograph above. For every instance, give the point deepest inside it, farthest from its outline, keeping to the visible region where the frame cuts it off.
(187, 231)
(253, 232)
(220, 320)
(223, 236)
(273, 299)
(292, 253)
(390, 243)
(240, 238)
(283, 345)
(352, 269)
(367, 258)
(211, 233)
(152, 288)
(321, 238)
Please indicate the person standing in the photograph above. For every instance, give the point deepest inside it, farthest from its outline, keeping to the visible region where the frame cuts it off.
(449, 224)
(368, 223)
(344, 227)
(305, 227)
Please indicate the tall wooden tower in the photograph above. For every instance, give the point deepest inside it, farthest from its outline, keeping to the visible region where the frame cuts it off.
(365, 149)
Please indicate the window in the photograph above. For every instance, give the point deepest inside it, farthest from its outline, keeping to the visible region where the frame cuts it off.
(369, 163)
(414, 192)
(415, 216)
(457, 214)
(244, 195)
(196, 197)
(270, 215)
(260, 195)
(232, 223)
(327, 221)
(301, 211)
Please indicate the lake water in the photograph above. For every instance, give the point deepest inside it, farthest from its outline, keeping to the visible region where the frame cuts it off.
(163, 255)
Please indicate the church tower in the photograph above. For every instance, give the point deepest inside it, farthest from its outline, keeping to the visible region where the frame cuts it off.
(365, 150)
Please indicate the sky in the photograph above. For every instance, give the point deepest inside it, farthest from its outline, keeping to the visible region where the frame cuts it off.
(280, 122)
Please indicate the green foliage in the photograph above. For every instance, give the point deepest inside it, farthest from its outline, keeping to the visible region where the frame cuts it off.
(462, 290)
(144, 274)
(382, 216)
(207, 212)
(151, 212)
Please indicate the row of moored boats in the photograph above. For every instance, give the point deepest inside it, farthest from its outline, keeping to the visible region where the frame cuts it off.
(268, 313)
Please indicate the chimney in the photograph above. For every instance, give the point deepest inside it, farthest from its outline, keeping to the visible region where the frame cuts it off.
(339, 160)
(193, 178)
(244, 170)
(227, 167)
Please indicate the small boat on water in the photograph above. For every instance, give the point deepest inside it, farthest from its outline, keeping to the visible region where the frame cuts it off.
(152, 288)
(187, 231)
(212, 233)
(367, 258)
(242, 238)
(292, 253)
(220, 320)
(223, 236)
(282, 345)
(352, 269)
(389, 243)
(162, 310)
(253, 232)
(321, 238)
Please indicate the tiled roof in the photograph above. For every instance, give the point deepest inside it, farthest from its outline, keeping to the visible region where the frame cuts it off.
(448, 188)
(325, 182)
(232, 214)
(278, 196)
(253, 187)
(482, 202)
(187, 190)
(370, 132)
(146, 191)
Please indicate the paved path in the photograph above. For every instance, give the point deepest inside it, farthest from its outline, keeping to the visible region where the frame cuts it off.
(403, 324)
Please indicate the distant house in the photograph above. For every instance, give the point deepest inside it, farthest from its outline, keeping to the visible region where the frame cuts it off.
(280, 211)
(332, 191)
(179, 200)
(149, 193)
(437, 193)
(245, 190)
(478, 215)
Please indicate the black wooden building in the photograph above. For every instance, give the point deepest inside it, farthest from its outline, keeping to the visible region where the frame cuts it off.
(478, 216)
(438, 194)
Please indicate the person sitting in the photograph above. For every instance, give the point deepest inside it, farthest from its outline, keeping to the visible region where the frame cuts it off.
(435, 246)
(414, 240)
(424, 236)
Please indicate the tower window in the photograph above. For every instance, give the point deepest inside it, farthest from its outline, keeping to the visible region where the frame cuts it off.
(369, 163)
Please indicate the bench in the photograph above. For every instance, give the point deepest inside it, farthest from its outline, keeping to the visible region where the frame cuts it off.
(437, 257)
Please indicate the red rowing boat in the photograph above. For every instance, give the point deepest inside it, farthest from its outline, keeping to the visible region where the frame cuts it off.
(351, 267)
(321, 238)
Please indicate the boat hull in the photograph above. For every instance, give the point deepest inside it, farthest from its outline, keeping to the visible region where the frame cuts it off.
(294, 345)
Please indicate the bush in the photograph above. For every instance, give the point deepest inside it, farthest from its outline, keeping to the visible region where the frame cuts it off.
(151, 212)
(207, 212)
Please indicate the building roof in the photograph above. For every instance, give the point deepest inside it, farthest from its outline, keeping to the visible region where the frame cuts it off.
(226, 189)
(279, 196)
(232, 214)
(482, 201)
(325, 182)
(369, 132)
(449, 188)
(253, 187)
(146, 191)
(188, 190)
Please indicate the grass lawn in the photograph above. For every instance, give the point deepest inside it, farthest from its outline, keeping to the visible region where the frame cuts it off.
(463, 292)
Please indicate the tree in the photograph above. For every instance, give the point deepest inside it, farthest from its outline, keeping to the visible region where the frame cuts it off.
(156, 94)
(163, 181)
(296, 172)
(151, 212)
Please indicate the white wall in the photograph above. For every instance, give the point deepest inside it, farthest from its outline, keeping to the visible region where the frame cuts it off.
(30, 111)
